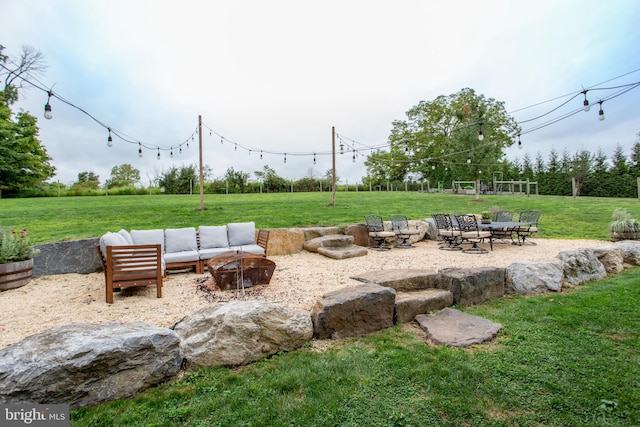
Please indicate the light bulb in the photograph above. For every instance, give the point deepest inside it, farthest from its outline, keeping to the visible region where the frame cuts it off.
(109, 141)
(480, 135)
(469, 160)
(587, 107)
(158, 154)
(47, 111)
(601, 114)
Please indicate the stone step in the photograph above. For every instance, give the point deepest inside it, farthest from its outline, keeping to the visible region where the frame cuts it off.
(454, 328)
(410, 304)
(401, 280)
(328, 241)
(345, 252)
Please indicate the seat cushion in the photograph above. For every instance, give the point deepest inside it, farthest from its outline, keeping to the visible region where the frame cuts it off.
(408, 231)
(382, 234)
(148, 237)
(213, 236)
(448, 233)
(182, 256)
(253, 248)
(241, 233)
(476, 234)
(180, 240)
(211, 252)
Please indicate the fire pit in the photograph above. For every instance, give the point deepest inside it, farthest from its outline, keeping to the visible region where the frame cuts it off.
(238, 269)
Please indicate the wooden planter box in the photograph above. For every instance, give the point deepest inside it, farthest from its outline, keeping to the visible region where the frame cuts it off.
(15, 274)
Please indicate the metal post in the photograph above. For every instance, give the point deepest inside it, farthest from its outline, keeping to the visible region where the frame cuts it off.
(333, 169)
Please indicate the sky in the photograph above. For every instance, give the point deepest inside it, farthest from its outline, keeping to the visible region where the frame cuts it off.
(277, 76)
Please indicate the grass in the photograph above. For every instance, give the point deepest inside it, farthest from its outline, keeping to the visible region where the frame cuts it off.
(570, 359)
(57, 219)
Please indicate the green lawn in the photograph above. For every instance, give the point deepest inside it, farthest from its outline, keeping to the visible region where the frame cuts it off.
(56, 219)
(570, 359)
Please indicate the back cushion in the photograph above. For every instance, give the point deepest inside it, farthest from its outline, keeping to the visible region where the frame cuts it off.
(148, 237)
(111, 239)
(213, 236)
(242, 233)
(180, 239)
(124, 233)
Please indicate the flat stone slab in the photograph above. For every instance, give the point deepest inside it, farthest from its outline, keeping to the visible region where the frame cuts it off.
(343, 252)
(401, 280)
(411, 304)
(454, 328)
(328, 241)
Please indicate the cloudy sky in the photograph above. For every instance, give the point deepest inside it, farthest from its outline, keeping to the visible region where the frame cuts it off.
(277, 75)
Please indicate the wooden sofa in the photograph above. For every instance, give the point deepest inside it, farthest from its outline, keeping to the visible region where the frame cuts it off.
(179, 248)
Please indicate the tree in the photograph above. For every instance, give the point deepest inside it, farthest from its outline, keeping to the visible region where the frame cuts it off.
(124, 175)
(270, 180)
(87, 180)
(462, 135)
(236, 180)
(30, 63)
(24, 162)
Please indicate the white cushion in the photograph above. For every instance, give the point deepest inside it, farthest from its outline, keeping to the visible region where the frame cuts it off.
(213, 236)
(148, 237)
(180, 240)
(211, 252)
(253, 248)
(182, 256)
(124, 233)
(242, 233)
(111, 239)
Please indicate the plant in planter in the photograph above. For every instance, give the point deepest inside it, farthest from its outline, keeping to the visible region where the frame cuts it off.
(623, 226)
(486, 217)
(16, 259)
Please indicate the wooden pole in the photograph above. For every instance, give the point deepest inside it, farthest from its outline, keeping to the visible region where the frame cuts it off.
(201, 173)
(333, 168)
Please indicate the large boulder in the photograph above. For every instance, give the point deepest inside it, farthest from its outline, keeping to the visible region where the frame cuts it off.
(581, 266)
(611, 256)
(285, 241)
(84, 364)
(241, 332)
(471, 286)
(431, 231)
(353, 311)
(359, 233)
(534, 277)
(75, 256)
(313, 232)
(631, 251)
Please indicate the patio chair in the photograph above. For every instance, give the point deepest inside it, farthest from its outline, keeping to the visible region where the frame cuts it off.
(524, 232)
(400, 226)
(505, 233)
(377, 233)
(471, 233)
(449, 234)
(131, 266)
(504, 216)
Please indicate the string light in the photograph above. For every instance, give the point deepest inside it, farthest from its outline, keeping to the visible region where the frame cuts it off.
(314, 158)
(519, 142)
(171, 153)
(47, 107)
(468, 160)
(109, 139)
(601, 112)
(586, 101)
(285, 157)
(139, 149)
(260, 154)
(158, 153)
(480, 135)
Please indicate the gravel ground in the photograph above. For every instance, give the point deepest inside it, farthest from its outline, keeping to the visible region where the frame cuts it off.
(298, 282)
